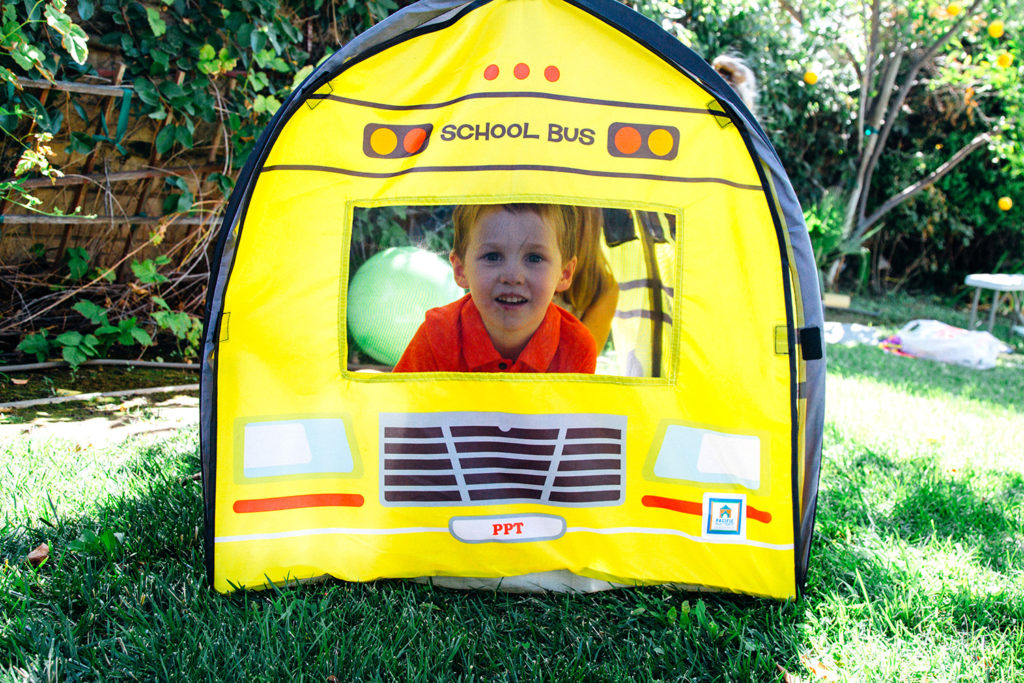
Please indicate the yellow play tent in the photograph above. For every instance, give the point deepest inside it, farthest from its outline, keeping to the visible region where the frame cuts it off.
(692, 460)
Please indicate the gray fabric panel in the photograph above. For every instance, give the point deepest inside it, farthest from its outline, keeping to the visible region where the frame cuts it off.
(208, 376)
(810, 296)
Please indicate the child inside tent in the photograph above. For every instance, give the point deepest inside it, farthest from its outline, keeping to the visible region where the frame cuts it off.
(513, 259)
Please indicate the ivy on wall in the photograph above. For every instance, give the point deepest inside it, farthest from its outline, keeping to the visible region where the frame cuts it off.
(33, 39)
(188, 63)
(195, 74)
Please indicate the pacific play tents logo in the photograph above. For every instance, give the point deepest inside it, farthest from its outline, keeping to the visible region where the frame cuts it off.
(724, 515)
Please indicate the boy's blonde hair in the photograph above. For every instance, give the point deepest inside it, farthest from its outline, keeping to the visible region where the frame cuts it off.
(592, 269)
(564, 220)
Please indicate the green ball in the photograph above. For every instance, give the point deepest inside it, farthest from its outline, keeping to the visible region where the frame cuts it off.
(389, 296)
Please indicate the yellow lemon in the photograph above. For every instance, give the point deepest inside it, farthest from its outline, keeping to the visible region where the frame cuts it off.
(810, 78)
(1005, 203)
(995, 29)
(953, 9)
(1004, 59)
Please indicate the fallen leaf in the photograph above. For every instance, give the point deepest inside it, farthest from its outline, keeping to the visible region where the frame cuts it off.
(39, 555)
(824, 669)
(788, 677)
(19, 382)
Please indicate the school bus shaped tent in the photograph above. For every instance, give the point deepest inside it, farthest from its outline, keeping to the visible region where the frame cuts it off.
(703, 473)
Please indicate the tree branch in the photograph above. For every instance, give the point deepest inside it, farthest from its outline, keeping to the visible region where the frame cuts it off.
(117, 176)
(793, 12)
(865, 76)
(894, 109)
(929, 179)
(881, 107)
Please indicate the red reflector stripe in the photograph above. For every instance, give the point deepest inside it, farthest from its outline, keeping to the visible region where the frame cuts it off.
(689, 507)
(759, 515)
(314, 500)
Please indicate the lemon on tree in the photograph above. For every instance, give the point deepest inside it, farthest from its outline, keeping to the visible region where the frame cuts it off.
(954, 9)
(1005, 203)
(1004, 59)
(995, 29)
(810, 77)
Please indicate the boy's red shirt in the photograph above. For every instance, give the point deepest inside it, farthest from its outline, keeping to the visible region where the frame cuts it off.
(453, 339)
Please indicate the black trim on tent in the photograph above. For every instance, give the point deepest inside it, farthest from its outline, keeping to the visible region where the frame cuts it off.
(651, 220)
(805, 559)
(618, 227)
(811, 345)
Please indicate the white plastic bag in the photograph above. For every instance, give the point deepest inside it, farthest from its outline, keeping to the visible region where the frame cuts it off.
(938, 341)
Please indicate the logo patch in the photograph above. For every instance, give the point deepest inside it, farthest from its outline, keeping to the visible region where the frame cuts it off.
(724, 515)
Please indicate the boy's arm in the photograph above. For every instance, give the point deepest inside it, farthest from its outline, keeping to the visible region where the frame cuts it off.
(598, 316)
(589, 365)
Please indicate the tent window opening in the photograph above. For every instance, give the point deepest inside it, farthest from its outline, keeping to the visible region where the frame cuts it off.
(405, 260)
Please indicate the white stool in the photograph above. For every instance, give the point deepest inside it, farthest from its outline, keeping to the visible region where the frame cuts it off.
(1003, 285)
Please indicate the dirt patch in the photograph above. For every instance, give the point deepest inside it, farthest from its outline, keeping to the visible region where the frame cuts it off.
(21, 386)
(97, 421)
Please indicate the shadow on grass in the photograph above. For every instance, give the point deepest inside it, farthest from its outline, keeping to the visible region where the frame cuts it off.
(1002, 386)
(109, 408)
(144, 610)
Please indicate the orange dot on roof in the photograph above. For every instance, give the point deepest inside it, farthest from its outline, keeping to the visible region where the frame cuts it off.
(383, 141)
(552, 74)
(413, 140)
(521, 71)
(660, 142)
(491, 72)
(627, 139)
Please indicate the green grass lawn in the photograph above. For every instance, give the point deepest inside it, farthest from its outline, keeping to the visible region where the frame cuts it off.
(917, 572)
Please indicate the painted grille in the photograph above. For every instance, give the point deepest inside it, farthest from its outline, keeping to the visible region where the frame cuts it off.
(470, 458)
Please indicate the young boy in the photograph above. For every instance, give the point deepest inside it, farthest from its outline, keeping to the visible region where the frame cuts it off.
(512, 258)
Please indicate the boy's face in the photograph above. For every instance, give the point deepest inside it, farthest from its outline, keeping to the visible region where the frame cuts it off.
(512, 268)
